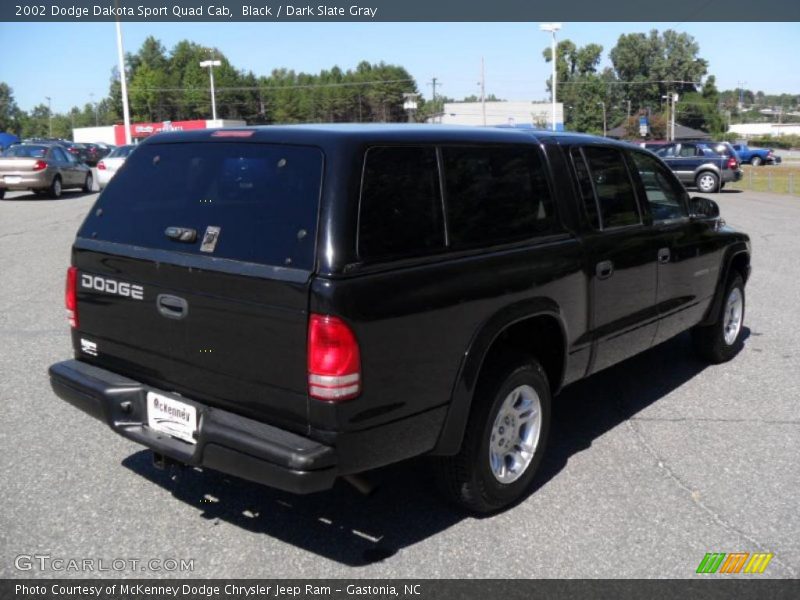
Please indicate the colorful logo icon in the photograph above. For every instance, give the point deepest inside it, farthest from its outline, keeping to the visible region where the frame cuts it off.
(734, 562)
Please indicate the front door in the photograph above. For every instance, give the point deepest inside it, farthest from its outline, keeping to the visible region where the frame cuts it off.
(687, 266)
(621, 257)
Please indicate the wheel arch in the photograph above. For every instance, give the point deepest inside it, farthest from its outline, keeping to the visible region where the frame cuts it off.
(506, 326)
(737, 259)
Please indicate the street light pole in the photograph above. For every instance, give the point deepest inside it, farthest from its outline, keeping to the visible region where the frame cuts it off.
(552, 28)
(210, 64)
(126, 114)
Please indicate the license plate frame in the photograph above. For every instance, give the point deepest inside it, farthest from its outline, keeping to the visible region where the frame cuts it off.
(172, 416)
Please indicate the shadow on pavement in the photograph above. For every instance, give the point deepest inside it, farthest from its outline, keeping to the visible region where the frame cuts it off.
(343, 525)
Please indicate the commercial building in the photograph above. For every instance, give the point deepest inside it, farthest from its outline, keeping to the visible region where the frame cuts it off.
(511, 113)
(115, 134)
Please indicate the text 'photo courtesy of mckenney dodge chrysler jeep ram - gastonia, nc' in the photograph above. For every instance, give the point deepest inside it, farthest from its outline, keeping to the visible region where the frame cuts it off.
(297, 304)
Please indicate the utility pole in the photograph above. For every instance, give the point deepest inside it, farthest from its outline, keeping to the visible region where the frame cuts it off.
(483, 93)
(629, 109)
(91, 99)
(674, 100)
(49, 117)
(603, 104)
(437, 112)
(433, 85)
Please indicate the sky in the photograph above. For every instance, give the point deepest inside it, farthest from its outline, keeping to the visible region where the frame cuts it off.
(71, 61)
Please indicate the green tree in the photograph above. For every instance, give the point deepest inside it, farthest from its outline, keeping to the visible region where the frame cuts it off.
(10, 114)
(655, 64)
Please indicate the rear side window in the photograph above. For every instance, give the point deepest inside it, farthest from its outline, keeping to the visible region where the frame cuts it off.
(495, 195)
(586, 189)
(401, 204)
(612, 187)
(248, 202)
(25, 151)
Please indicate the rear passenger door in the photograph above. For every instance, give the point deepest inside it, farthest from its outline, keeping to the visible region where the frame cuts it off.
(621, 257)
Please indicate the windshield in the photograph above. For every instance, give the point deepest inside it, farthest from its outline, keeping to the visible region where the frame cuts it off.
(243, 201)
(121, 152)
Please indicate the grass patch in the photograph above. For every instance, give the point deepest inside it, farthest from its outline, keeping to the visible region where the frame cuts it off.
(780, 179)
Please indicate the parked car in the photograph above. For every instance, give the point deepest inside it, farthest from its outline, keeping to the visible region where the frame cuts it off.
(756, 156)
(42, 168)
(109, 165)
(79, 151)
(95, 153)
(291, 305)
(696, 164)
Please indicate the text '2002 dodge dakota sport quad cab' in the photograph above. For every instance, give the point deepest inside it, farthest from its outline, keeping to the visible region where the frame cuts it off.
(295, 304)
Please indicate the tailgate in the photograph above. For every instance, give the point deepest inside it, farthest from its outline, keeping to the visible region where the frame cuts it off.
(193, 274)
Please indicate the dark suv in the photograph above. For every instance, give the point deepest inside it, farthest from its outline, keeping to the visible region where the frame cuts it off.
(291, 305)
(708, 166)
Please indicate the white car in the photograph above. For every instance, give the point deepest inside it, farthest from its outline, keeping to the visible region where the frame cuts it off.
(109, 165)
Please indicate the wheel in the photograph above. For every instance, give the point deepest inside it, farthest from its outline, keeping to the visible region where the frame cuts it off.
(722, 340)
(756, 161)
(2, 193)
(88, 184)
(55, 188)
(707, 182)
(504, 441)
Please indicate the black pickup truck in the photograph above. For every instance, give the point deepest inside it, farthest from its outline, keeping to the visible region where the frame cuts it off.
(292, 305)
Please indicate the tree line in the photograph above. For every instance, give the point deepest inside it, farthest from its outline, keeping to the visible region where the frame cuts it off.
(645, 68)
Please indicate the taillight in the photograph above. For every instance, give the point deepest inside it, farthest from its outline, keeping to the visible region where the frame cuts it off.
(334, 360)
(732, 164)
(71, 296)
(39, 165)
(101, 166)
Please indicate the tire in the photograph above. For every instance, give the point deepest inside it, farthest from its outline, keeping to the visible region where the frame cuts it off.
(54, 191)
(722, 340)
(88, 184)
(707, 182)
(482, 477)
(756, 161)
(2, 193)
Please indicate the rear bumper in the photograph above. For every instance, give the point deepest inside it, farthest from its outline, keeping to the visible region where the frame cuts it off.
(729, 175)
(226, 442)
(25, 181)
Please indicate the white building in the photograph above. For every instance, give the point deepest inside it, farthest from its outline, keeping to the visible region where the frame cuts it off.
(514, 114)
(749, 130)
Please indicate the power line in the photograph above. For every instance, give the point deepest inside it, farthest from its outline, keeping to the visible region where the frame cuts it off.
(268, 87)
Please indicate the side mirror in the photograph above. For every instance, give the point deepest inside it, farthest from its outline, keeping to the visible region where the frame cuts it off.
(704, 208)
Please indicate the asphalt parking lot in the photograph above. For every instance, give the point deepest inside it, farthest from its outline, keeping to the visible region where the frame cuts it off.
(651, 464)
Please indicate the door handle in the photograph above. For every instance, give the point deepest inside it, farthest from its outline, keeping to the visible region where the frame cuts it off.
(663, 255)
(172, 307)
(604, 269)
